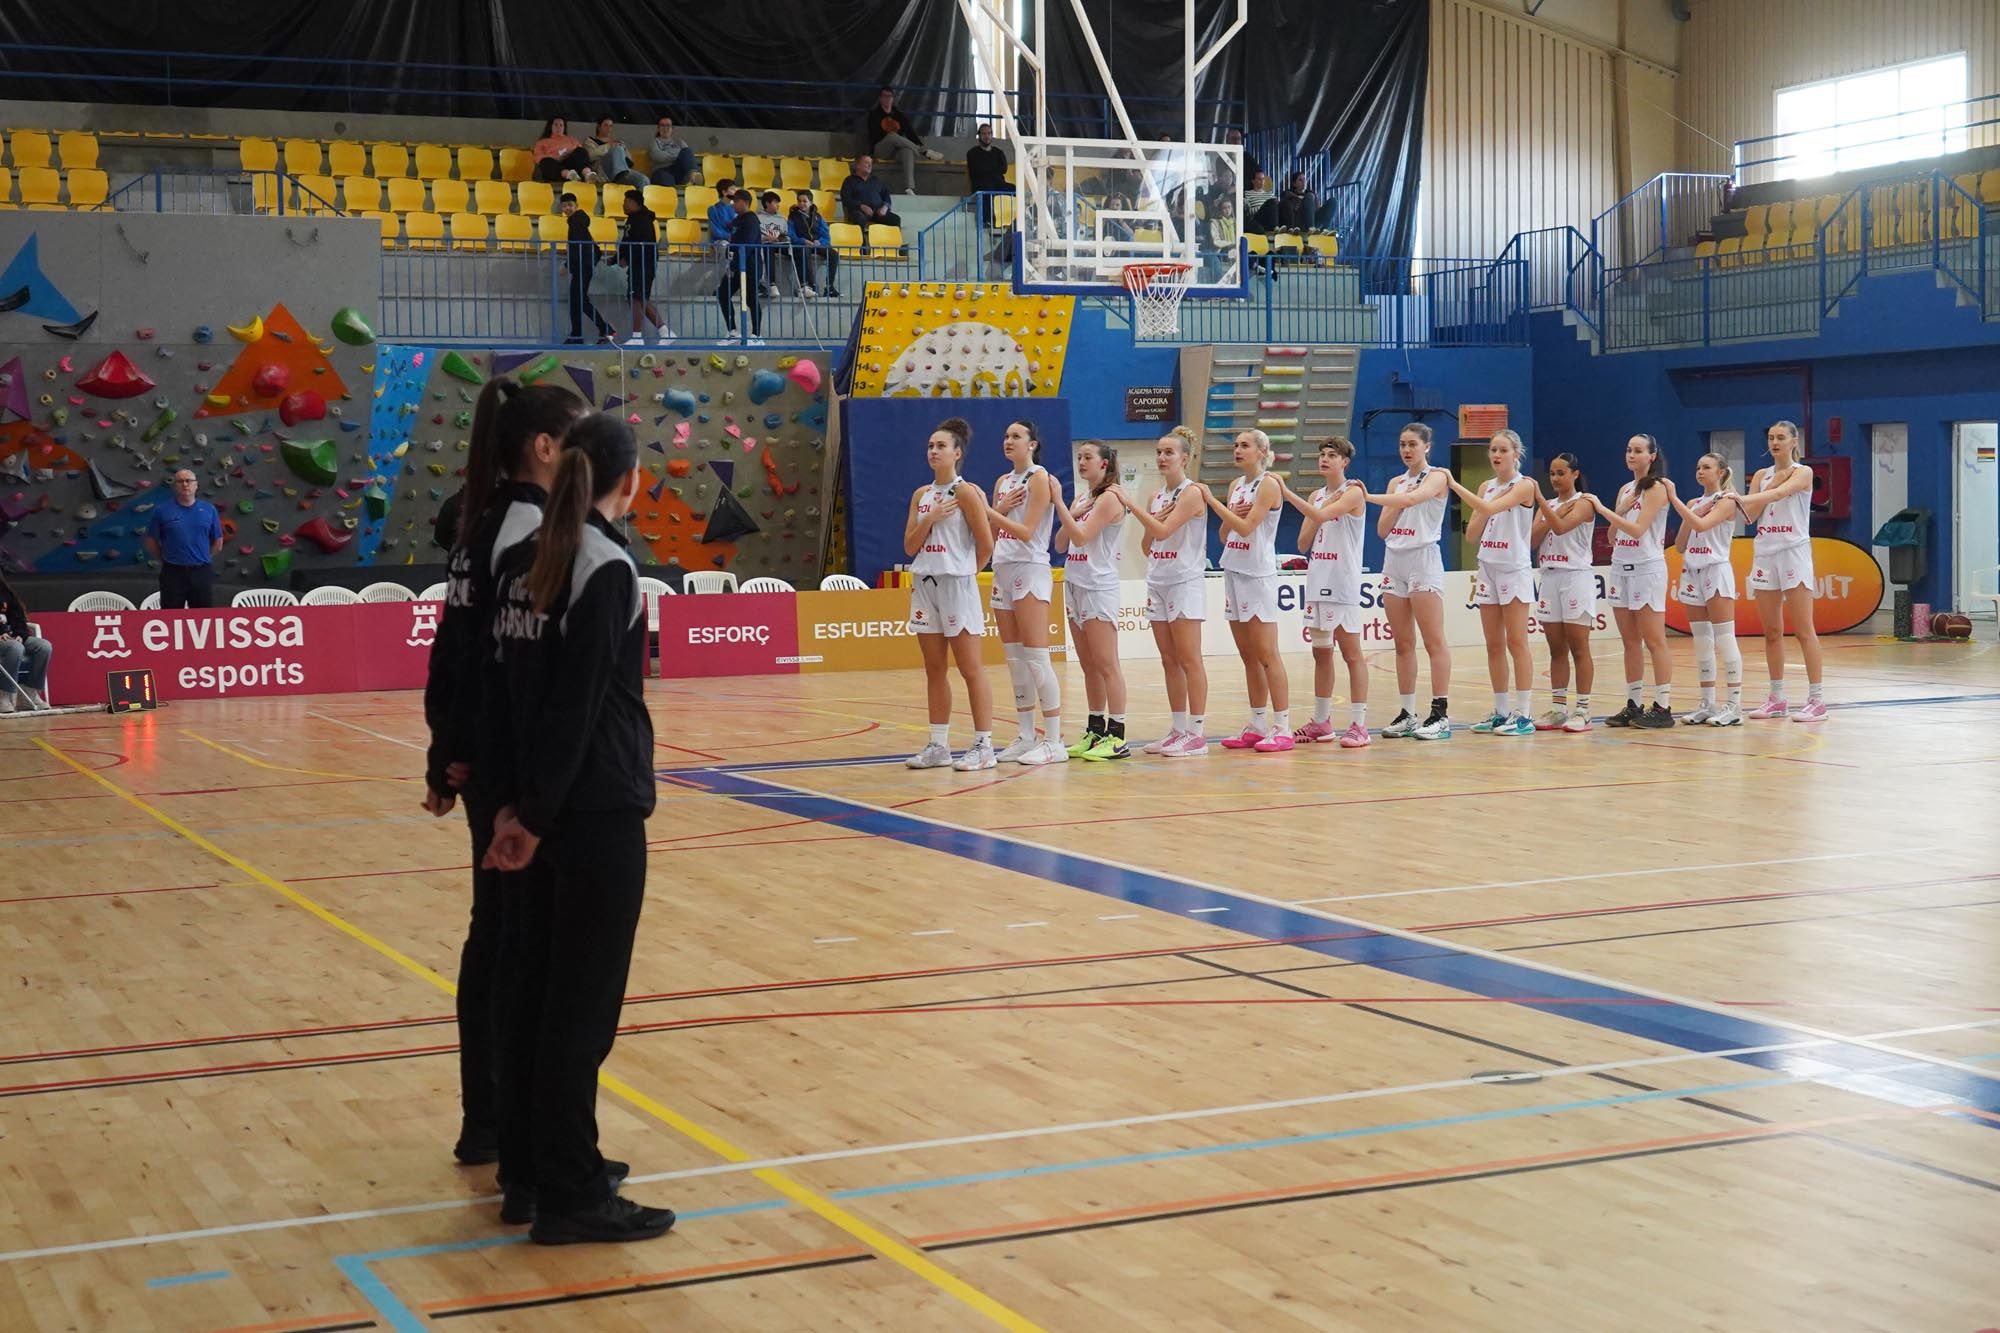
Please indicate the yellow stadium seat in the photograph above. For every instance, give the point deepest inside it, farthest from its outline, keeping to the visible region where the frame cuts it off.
(391, 159)
(795, 173)
(433, 161)
(511, 231)
(361, 194)
(834, 170)
(715, 168)
(585, 193)
(663, 200)
(316, 195)
(844, 235)
(886, 242)
(77, 150)
(390, 225)
(828, 203)
(87, 187)
(1704, 250)
(344, 157)
(40, 186)
(475, 163)
(1286, 240)
(257, 155)
(6, 187)
(493, 197)
(552, 227)
(603, 230)
(468, 231)
(696, 200)
(425, 230)
(1829, 204)
(1753, 220)
(32, 148)
(302, 157)
(450, 196)
(1003, 212)
(759, 173)
(536, 197)
(1778, 216)
(1882, 215)
(406, 195)
(613, 200)
(1324, 244)
(683, 236)
(264, 191)
(1989, 186)
(1726, 251)
(517, 164)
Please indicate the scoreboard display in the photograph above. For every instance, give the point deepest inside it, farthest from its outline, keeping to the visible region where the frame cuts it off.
(127, 690)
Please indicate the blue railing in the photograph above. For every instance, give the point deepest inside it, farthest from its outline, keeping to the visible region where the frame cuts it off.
(1813, 152)
(1555, 257)
(218, 190)
(1664, 213)
(1338, 204)
(1368, 301)
(1958, 240)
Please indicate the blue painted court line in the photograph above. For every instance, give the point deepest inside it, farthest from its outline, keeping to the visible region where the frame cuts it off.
(1437, 961)
(185, 1279)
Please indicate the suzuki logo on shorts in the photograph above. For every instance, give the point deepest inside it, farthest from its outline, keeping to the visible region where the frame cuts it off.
(729, 634)
(423, 624)
(109, 640)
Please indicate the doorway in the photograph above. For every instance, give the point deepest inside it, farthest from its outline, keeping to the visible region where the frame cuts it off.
(1473, 469)
(1889, 479)
(1975, 528)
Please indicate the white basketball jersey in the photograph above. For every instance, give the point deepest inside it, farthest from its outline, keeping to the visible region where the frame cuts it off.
(1783, 524)
(1181, 555)
(1254, 552)
(1418, 525)
(1711, 547)
(1009, 549)
(1094, 564)
(1504, 544)
(1333, 571)
(948, 545)
(1569, 550)
(1649, 547)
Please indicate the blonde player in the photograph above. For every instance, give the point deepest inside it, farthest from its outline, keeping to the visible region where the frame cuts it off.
(1088, 532)
(1413, 583)
(1024, 504)
(1638, 586)
(1503, 589)
(1781, 576)
(1175, 521)
(1567, 607)
(1708, 589)
(1250, 593)
(949, 538)
(1330, 537)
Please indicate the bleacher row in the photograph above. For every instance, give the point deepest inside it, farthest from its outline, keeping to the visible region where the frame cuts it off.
(519, 232)
(1898, 214)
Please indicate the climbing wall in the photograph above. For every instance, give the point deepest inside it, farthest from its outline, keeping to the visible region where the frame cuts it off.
(1296, 395)
(960, 340)
(735, 444)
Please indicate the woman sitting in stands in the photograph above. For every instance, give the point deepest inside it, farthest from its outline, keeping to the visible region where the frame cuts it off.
(559, 156)
(609, 159)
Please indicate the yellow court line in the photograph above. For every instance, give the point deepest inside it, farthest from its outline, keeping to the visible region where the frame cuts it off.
(897, 1251)
(277, 768)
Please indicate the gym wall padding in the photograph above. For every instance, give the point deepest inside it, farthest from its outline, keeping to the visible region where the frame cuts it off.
(884, 460)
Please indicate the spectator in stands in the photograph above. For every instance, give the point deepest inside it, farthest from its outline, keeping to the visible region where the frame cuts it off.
(986, 165)
(609, 159)
(811, 238)
(745, 235)
(558, 155)
(1260, 206)
(23, 657)
(1297, 209)
(673, 160)
(580, 254)
(1251, 166)
(890, 130)
(184, 536)
(722, 213)
(639, 255)
(1110, 228)
(1222, 225)
(771, 228)
(865, 199)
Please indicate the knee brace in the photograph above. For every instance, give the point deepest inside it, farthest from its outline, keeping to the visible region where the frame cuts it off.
(1704, 648)
(1043, 674)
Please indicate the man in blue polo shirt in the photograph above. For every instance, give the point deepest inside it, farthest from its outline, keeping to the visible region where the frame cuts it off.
(184, 537)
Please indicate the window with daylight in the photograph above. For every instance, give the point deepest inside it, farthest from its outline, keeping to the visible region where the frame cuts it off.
(1867, 120)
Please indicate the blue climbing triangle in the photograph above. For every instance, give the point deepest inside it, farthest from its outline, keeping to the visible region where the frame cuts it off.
(24, 270)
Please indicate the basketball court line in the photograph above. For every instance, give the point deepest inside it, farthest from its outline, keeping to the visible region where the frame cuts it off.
(366, 731)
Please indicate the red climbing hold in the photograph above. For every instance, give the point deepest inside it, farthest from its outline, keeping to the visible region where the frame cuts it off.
(301, 405)
(321, 534)
(115, 377)
(270, 378)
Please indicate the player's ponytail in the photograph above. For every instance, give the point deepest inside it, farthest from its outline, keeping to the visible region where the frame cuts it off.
(1656, 471)
(599, 452)
(505, 421)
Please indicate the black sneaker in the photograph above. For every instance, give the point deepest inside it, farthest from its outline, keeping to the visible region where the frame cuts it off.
(1625, 716)
(477, 1145)
(517, 1207)
(614, 1220)
(1655, 718)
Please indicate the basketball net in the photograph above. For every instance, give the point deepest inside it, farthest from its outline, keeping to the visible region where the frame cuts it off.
(1157, 289)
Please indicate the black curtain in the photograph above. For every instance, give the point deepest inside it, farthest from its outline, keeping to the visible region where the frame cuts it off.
(799, 63)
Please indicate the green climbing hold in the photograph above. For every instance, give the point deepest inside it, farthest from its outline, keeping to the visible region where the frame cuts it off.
(317, 461)
(377, 501)
(459, 368)
(277, 564)
(745, 491)
(270, 525)
(246, 507)
(462, 420)
(437, 469)
(535, 369)
(350, 328)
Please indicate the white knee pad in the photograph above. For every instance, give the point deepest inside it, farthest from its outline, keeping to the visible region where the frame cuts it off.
(1043, 674)
(1322, 638)
(1731, 653)
(1022, 676)
(1704, 648)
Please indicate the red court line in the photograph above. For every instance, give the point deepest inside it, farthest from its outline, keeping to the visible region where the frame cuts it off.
(977, 786)
(699, 754)
(118, 759)
(810, 740)
(104, 893)
(208, 1071)
(1743, 754)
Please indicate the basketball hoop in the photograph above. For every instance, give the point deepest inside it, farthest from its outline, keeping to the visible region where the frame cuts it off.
(1157, 289)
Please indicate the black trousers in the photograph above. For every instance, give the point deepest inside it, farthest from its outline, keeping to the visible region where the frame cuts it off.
(550, 169)
(187, 585)
(478, 984)
(725, 295)
(803, 257)
(570, 920)
(580, 303)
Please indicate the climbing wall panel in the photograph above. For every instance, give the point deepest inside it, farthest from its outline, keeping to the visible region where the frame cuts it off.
(960, 340)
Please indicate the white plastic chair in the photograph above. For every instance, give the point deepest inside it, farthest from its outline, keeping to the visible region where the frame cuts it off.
(1993, 597)
(152, 602)
(386, 592)
(264, 597)
(653, 590)
(842, 583)
(102, 601)
(709, 580)
(767, 585)
(434, 593)
(330, 595)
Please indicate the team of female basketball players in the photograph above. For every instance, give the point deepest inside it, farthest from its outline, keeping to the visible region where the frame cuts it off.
(953, 530)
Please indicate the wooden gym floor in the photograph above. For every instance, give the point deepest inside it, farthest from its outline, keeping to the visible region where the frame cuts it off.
(1641, 1031)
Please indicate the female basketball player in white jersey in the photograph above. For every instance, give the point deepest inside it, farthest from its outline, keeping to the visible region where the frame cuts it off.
(1024, 504)
(1088, 532)
(1503, 589)
(1250, 593)
(1330, 537)
(1413, 583)
(1175, 521)
(1638, 585)
(1567, 606)
(1708, 589)
(1781, 576)
(949, 538)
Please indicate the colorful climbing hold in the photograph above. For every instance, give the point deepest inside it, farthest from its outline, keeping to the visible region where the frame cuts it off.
(535, 369)
(806, 375)
(115, 377)
(270, 378)
(321, 534)
(203, 333)
(160, 424)
(351, 328)
(765, 385)
(277, 564)
(248, 333)
(301, 405)
(316, 461)
(458, 367)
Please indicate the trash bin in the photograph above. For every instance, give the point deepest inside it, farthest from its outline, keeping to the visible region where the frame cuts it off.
(1907, 535)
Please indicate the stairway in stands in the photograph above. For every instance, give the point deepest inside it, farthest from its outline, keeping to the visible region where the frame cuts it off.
(1296, 395)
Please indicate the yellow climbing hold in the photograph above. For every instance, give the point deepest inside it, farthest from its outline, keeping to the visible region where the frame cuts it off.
(218, 400)
(402, 449)
(250, 332)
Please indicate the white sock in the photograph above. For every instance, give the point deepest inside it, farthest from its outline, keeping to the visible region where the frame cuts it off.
(1360, 718)
(1778, 690)
(1813, 694)
(1181, 722)
(1708, 695)
(1408, 702)
(1582, 706)
(1663, 695)
(1732, 664)
(1048, 689)
(1635, 690)
(1559, 700)
(1281, 722)
(1322, 708)
(940, 733)
(1500, 703)
(1258, 723)
(1196, 725)
(980, 738)
(1522, 698)
(1023, 679)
